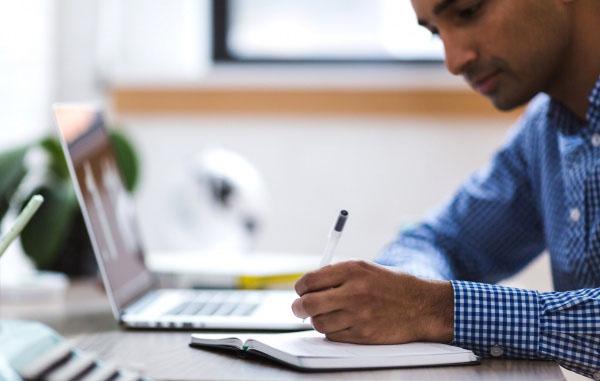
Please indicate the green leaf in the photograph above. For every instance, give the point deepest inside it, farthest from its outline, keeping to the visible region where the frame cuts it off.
(12, 172)
(57, 162)
(127, 160)
(125, 154)
(44, 236)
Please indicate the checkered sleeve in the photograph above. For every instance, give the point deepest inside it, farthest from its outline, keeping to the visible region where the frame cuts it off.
(499, 321)
(487, 231)
(416, 257)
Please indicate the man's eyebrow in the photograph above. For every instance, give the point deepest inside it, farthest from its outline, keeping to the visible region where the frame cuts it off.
(442, 6)
(438, 9)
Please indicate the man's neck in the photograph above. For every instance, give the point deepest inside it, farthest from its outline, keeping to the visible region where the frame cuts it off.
(581, 69)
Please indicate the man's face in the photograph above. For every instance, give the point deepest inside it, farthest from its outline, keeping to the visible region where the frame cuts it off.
(508, 50)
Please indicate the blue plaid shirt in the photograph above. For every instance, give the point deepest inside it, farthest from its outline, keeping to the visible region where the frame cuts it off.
(540, 191)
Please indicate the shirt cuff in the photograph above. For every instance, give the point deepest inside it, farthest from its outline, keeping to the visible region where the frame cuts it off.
(496, 321)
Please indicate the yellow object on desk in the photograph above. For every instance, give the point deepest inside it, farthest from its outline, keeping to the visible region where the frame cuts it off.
(231, 270)
(251, 282)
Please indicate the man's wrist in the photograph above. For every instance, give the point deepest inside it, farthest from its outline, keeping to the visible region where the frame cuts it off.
(439, 316)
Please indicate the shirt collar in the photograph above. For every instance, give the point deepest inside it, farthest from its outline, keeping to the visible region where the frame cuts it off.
(568, 122)
(593, 114)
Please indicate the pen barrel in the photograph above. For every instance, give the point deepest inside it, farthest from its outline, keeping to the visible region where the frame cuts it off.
(332, 242)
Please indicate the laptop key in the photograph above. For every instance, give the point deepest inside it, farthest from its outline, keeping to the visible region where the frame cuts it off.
(226, 309)
(251, 309)
(177, 310)
(209, 309)
(245, 309)
(189, 307)
(196, 308)
(218, 303)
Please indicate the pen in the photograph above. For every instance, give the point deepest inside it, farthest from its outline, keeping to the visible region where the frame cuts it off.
(333, 238)
(20, 223)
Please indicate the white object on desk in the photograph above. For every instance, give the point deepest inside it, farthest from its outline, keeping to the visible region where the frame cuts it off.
(20, 222)
(311, 350)
(6, 372)
(222, 269)
(24, 282)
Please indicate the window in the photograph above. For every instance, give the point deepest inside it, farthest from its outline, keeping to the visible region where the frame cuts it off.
(320, 31)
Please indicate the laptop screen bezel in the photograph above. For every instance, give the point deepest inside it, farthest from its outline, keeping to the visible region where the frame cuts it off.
(144, 281)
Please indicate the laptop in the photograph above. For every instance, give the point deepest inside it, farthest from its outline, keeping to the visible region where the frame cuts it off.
(135, 297)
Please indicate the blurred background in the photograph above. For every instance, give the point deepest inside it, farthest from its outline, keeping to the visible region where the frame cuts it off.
(304, 107)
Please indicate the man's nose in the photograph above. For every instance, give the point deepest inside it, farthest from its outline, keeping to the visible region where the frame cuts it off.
(460, 54)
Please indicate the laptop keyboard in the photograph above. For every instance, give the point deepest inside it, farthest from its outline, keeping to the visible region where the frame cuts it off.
(215, 303)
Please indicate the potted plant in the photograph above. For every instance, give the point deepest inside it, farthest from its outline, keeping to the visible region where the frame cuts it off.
(56, 238)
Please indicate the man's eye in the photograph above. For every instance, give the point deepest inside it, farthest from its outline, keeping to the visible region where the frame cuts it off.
(434, 32)
(469, 12)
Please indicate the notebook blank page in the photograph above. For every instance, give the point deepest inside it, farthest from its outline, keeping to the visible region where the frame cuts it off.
(314, 344)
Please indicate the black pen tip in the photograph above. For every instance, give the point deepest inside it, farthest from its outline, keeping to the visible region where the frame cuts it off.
(341, 221)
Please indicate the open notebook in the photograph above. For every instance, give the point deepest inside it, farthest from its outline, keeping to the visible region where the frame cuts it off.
(310, 350)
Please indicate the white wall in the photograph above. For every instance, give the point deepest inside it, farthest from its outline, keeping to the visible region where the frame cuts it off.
(386, 171)
(77, 71)
(26, 67)
(153, 41)
(100, 43)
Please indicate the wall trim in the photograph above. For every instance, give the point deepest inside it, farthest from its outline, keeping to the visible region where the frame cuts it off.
(375, 102)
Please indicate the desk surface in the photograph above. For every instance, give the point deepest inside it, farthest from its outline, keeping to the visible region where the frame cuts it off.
(166, 355)
(84, 316)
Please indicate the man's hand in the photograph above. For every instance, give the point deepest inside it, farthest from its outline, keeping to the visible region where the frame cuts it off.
(361, 302)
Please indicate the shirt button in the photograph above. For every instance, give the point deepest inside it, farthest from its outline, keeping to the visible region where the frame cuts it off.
(496, 351)
(596, 140)
(574, 214)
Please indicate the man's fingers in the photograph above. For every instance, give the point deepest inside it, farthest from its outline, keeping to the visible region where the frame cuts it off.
(326, 277)
(353, 335)
(317, 303)
(298, 309)
(343, 336)
(332, 322)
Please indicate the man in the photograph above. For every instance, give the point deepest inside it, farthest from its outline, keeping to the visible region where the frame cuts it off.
(540, 191)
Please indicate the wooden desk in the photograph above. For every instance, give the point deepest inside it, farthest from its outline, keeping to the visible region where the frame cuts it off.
(166, 356)
(84, 316)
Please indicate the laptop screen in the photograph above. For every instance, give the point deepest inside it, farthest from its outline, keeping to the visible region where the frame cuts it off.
(106, 206)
